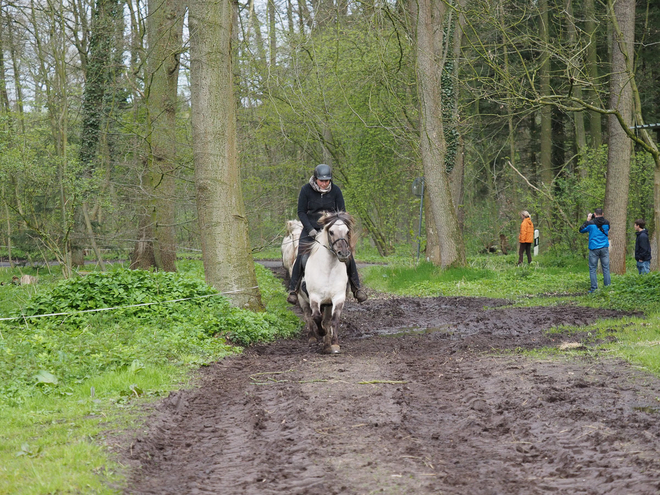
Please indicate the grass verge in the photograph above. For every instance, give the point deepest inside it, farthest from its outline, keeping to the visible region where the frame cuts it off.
(65, 381)
(496, 277)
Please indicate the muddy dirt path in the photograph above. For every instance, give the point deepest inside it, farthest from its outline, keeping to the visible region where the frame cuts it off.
(454, 409)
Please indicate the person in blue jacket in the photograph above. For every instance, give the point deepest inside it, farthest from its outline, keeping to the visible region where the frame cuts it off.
(598, 229)
(316, 197)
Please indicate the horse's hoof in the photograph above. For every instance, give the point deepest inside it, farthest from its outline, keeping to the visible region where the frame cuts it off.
(331, 349)
(312, 340)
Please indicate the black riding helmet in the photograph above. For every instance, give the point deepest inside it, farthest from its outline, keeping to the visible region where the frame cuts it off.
(323, 172)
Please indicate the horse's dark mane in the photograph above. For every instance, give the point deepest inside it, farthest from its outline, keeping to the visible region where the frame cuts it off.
(330, 218)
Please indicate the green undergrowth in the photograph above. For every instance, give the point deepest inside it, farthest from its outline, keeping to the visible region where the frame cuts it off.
(153, 318)
(637, 341)
(65, 379)
(57, 443)
(632, 292)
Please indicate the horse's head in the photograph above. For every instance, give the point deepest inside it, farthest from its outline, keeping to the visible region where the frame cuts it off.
(294, 229)
(338, 228)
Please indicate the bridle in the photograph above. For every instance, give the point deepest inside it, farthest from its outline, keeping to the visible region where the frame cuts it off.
(331, 248)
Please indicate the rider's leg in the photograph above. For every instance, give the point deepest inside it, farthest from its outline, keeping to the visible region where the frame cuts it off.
(294, 283)
(354, 279)
(304, 243)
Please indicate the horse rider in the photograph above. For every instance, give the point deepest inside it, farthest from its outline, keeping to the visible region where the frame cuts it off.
(319, 195)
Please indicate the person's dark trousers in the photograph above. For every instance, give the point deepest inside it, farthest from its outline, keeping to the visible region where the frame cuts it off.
(304, 245)
(296, 274)
(525, 247)
(353, 277)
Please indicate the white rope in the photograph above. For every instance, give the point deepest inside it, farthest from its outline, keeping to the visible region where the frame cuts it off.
(23, 317)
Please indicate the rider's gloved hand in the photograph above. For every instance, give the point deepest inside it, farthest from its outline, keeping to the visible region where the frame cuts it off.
(312, 233)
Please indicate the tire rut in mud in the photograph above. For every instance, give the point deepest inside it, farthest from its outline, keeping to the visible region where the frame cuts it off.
(450, 410)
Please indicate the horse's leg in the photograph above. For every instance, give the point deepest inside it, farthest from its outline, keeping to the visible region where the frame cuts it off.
(336, 314)
(317, 316)
(310, 324)
(326, 310)
(331, 341)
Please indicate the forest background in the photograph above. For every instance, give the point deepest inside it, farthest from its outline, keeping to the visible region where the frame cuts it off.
(538, 105)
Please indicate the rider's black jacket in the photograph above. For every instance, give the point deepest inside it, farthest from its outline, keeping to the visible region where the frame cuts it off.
(312, 204)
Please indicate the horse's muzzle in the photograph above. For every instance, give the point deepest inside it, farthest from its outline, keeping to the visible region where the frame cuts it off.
(343, 257)
(342, 250)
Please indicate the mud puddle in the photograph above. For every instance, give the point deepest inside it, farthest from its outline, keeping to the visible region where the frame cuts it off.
(457, 411)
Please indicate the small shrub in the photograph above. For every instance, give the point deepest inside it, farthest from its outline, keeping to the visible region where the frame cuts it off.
(120, 287)
(634, 293)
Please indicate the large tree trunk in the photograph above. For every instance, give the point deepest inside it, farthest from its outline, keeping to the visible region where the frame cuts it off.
(18, 88)
(428, 16)
(272, 35)
(595, 127)
(433, 254)
(655, 248)
(226, 253)
(578, 117)
(545, 161)
(4, 96)
(457, 174)
(97, 82)
(509, 111)
(164, 32)
(620, 145)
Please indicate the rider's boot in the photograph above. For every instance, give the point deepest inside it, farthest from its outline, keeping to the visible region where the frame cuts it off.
(359, 294)
(294, 283)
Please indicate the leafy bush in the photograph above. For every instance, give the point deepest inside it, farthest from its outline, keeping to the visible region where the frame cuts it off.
(76, 347)
(633, 293)
(116, 288)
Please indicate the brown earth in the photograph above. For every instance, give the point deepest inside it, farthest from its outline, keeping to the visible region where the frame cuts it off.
(452, 409)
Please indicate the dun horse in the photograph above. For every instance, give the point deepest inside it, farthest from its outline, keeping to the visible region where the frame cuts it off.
(323, 291)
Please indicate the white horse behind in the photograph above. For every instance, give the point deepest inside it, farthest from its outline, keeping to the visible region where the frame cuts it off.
(290, 245)
(323, 291)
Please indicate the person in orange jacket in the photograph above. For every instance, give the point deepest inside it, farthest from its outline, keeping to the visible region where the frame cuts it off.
(526, 237)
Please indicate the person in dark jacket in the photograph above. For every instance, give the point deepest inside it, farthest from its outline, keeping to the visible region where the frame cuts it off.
(599, 243)
(642, 247)
(316, 197)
